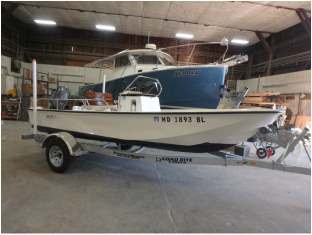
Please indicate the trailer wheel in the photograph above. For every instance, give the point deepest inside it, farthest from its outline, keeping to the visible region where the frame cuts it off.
(125, 146)
(58, 156)
(264, 130)
(261, 153)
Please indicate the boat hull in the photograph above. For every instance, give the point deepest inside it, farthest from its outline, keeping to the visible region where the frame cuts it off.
(195, 87)
(186, 131)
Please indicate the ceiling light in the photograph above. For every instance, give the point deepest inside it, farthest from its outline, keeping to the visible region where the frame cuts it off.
(45, 22)
(181, 35)
(105, 27)
(239, 41)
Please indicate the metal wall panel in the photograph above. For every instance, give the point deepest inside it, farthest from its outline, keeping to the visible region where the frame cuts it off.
(252, 84)
(6, 62)
(306, 107)
(289, 83)
(88, 75)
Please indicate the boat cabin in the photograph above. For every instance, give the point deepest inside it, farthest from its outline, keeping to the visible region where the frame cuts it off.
(136, 61)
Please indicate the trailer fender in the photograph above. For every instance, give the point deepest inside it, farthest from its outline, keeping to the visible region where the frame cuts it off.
(68, 139)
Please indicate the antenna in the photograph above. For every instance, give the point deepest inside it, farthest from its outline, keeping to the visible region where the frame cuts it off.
(149, 32)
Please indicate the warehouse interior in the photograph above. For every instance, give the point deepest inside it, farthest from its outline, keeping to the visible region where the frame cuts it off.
(257, 54)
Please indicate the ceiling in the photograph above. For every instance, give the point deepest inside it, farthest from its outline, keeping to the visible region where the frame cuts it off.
(206, 20)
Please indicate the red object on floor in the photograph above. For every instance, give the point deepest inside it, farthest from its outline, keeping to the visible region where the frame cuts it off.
(70, 105)
(270, 153)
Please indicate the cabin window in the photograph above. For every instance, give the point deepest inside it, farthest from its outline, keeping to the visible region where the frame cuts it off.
(147, 59)
(166, 61)
(121, 61)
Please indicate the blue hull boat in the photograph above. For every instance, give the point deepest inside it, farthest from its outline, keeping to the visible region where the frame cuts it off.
(199, 87)
(185, 84)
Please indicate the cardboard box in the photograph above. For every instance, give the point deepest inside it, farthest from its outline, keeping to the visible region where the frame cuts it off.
(43, 103)
(42, 78)
(41, 91)
(52, 80)
(29, 89)
(29, 74)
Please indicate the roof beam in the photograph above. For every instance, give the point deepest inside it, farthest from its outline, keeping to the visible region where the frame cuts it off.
(248, 74)
(264, 43)
(307, 19)
(28, 57)
(9, 11)
(277, 7)
(304, 23)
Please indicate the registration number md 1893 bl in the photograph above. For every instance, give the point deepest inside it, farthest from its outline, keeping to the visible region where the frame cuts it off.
(179, 119)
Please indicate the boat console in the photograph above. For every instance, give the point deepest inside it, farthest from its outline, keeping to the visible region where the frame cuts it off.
(137, 101)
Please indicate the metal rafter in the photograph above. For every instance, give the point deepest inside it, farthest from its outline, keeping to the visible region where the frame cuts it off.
(9, 11)
(264, 43)
(304, 23)
(277, 7)
(307, 19)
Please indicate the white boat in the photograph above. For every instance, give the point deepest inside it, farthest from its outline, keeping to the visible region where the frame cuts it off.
(186, 84)
(138, 120)
(199, 130)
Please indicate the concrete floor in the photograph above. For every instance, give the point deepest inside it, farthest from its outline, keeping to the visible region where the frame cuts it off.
(111, 195)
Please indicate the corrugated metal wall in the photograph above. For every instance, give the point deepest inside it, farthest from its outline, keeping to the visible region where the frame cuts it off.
(84, 75)
(252, 84)
(6, 63)
(289, 83)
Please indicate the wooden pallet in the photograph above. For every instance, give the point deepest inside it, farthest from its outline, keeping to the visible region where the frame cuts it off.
(260, 99)
(301, 121)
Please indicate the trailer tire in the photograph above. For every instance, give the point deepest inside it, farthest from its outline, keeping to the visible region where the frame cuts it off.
(125, 146)
(264, 130)
(58, 157)
(261, 153)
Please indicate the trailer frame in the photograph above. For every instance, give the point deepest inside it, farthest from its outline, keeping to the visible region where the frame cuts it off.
(78, 147)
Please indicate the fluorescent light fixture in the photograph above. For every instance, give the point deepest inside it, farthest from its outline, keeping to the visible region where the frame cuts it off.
(181, 35)
(105, 27)
(45, 22)
(239, 41)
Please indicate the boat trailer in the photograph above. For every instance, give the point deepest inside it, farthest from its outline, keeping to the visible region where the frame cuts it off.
(62, 148)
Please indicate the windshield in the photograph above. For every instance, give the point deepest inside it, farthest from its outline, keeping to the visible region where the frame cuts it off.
(121, 61)
(153, 59)
(166, 61)
(147, 59)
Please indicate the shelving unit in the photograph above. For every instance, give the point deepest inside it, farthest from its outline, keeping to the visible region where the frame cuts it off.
(10, 103)
(26, 97)
(47, 82)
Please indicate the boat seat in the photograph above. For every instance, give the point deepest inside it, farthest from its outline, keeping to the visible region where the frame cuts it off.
(100, 107)
(98, 95)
